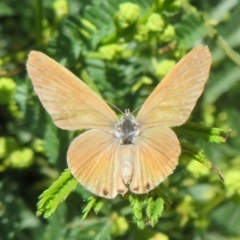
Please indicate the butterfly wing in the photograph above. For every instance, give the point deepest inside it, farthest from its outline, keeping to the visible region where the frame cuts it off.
(172, 101)
(94, 160)
(156, 156)
(70, 102)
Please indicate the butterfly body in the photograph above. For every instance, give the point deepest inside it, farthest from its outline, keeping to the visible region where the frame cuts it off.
(128, 129)
(127, 162)
(131, 154)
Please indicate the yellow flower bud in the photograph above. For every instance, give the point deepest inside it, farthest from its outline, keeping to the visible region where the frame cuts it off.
(164, 67)
(60, 7)
(119, 225)
(168, 34)
(21, 158)
(7, 89)
(197, 169)
(7, 145)
(110, 51)
(232, 179)
(155, 23)
(129, 13)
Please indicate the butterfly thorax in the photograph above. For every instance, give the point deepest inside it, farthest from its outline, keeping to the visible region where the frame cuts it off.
(128, 129)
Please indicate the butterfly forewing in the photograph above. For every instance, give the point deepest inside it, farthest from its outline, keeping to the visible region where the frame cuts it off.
(94, 160)
(70, 102)
(156, 156)
(172, 101)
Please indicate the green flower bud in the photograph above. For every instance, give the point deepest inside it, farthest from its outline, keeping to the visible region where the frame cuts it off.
(168, 34)
(60, 7)
(38, 146)
(129, 13)
(142, 33)
(197, 169)
(232, 179)
(7, 89)
(110, 51)
(159, 236)
(164, 67)
(119, 225)
(13, 109)
(21, 158)
(175, 5)
(155, 23)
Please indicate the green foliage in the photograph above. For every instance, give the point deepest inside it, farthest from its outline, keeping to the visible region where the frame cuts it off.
(53, 196)
(154, 210)
(195, 130)
(121, 50)
(95, 202)
(136, 210)
(193, 153)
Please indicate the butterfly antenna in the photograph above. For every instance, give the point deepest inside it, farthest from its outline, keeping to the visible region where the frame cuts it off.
(114, 107)
(136, 109)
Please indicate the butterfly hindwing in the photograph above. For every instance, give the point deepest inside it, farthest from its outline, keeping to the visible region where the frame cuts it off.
(156, 156)
(94, 160)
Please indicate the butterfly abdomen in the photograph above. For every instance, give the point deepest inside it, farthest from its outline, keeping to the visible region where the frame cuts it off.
(127, 156)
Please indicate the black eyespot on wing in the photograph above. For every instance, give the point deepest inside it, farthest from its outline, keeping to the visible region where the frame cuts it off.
(136, 188)
(147, 186)
(105, 192)
(120, 191)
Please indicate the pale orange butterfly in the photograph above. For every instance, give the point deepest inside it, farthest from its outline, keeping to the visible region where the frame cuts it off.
(131, 153)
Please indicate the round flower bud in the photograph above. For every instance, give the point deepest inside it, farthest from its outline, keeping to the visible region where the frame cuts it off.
(155, 23)
(168, 34)
(21, 158)
(7, 89)
(129, 13)
(164, 67)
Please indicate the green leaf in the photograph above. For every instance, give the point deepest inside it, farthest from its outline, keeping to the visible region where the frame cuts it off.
(196, 130)
(91, 202)
(190, 30)
(136, 205)
(191, 152)
(51, 141)
(95, 203)
(50, 199)
(218, 84)
(154, 210)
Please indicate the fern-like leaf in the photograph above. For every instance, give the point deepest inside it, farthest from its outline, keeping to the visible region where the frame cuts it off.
(50, 199)
(136, 205)
(196, 130)
(192, 152)
(154, 210)
(94, 203)
(91, 201)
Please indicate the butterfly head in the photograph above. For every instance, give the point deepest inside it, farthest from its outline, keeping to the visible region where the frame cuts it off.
(127, 129)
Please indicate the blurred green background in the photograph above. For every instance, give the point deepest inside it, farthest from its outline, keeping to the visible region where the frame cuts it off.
(121, 51)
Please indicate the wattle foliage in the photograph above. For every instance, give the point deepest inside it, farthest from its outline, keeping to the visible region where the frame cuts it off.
(121, 50)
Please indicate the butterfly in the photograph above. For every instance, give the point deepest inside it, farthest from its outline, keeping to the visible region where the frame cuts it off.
(131, 154)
